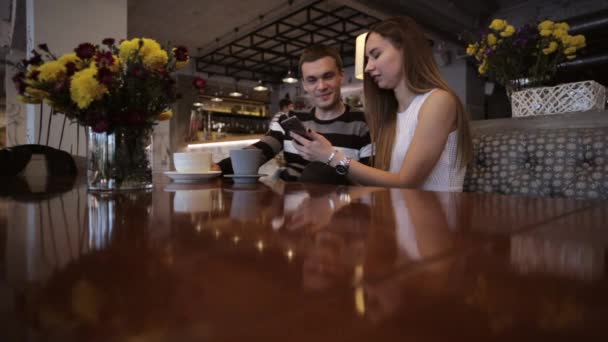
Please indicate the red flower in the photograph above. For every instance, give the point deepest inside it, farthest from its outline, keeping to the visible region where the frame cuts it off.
(19, 81)
(104, 75)
(108, 41)
(199, 83)
(34, 75)
(85, 50)
(181, 53)
(18, 77)
(35, 60)
(104, 59)
(101, 126)
(71, 68)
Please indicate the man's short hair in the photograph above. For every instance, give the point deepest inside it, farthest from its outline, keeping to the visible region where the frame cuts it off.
(284, 103)
(318, 51)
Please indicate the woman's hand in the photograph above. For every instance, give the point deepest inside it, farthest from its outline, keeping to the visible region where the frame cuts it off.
(318, 149)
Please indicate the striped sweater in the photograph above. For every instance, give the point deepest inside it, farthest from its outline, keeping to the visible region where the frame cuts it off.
(348, 133)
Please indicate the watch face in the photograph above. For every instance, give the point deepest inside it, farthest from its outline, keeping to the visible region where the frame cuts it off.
(341, 170)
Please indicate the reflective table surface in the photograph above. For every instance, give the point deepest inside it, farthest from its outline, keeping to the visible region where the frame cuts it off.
(276, 262)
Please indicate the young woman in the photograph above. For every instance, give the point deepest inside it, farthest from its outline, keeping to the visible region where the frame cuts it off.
(418, 125)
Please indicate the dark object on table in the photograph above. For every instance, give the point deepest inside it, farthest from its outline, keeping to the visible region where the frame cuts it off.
(13, 161)
(58, 162)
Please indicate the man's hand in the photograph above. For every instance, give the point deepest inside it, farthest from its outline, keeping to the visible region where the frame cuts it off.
(317, 149)
(215, 167)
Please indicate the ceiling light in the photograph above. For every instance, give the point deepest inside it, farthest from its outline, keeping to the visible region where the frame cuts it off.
(235, 92)
(360, 56)
(289, 78)
(260, 86)
(215, 98)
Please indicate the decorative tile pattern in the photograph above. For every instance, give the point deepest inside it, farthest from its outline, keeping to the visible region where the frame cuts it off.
(545, 162)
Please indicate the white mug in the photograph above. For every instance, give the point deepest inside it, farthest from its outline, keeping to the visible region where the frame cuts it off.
(192, 162)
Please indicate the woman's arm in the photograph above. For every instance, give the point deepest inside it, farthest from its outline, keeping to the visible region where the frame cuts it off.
(437, 118)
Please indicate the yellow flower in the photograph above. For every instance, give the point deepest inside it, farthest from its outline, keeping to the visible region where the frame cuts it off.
(153, 56)
(483, 67)
(166, 115)
(472, 49)
(491, 39)
(562, 26)
(578, 41)
(571, 57)
(546, 25)
(85, 88)
(479, 54)
(127, 48)
(508, 32)
(570, 50)
(71, 58)
(559, 33)
(149, 46)
(545, 33)
(498, 24)
(566, 40)
(35, 93)
(551, 48)
(51, 71)
(156, 59)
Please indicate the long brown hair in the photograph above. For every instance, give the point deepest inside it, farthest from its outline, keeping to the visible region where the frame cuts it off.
(422, 75)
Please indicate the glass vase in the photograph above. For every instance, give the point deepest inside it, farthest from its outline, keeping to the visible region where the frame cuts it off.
(120, 160)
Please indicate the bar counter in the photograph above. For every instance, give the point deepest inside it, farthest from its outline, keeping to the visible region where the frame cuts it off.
(287, 261)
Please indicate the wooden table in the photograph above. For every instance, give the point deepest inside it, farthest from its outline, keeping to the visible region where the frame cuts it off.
(297, 262)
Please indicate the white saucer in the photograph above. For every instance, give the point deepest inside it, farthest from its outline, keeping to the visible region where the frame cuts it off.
(245, 179)
(187, 177)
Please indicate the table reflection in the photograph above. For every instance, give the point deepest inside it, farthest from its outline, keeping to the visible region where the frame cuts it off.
(189, 260)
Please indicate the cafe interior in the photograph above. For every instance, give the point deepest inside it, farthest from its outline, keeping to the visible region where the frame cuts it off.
(119, 220)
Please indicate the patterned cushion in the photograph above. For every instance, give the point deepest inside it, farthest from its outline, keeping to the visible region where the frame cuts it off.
(541, 162)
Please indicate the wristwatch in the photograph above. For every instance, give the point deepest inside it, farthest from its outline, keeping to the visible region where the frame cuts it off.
(343, 165)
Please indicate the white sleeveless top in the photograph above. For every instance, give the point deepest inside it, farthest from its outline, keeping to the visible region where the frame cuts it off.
(446, 175)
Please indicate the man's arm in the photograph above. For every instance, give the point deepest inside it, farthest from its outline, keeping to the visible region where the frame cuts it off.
(270, 144)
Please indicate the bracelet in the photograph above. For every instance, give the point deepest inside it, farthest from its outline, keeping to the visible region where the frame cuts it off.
(331, 157)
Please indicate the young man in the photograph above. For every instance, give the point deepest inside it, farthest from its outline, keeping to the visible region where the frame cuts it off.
(322, 75)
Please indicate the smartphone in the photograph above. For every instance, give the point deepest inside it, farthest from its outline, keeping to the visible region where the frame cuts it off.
(293, 124)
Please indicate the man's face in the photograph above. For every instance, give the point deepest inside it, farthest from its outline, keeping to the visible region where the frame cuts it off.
(322, 80)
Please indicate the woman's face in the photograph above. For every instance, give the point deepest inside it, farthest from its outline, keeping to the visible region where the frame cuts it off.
(384, 62)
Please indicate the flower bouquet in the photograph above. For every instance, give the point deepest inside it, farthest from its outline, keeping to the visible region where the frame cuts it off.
(526, 56)
(118, 92)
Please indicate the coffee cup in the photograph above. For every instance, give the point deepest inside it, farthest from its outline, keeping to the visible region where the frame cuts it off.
(246, 161)
(192, 162)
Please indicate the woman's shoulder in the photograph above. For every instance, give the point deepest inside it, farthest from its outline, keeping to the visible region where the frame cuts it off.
(441, 96)
(439, 105)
